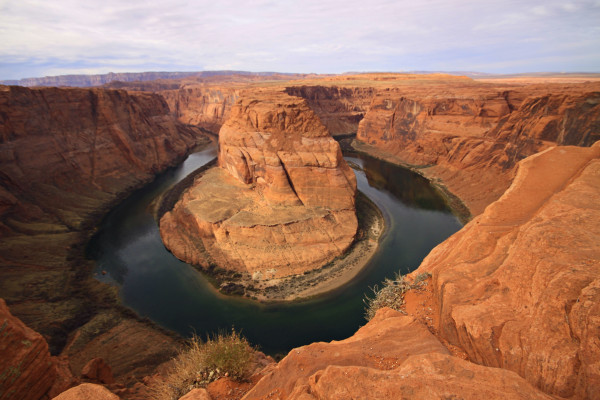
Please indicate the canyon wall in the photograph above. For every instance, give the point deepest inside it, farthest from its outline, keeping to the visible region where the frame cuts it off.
(470, 143)
(339, 108)
(204, 106)
(282, 201)
(66, 156)
(517, 288)
(515, 292)
(512, 306)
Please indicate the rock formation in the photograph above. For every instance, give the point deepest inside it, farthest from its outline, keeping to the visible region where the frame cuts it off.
(98, 370)
(393, 356)
(282, 202)
(471, 141)
(517, 288)
(66, 155)
(27, 371)
(516, 291)
(339, 108)
(87, 391)
(207, 107)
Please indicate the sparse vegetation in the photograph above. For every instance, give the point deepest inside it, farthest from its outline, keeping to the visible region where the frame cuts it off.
(421, 278)
(392, 293)
(225, 355)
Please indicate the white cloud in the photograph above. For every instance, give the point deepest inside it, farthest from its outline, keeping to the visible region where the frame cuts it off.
(319, 36)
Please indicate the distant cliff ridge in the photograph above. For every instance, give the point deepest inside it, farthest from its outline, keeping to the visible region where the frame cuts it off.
(102, 79)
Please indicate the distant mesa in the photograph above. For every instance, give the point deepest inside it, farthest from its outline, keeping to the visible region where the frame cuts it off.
(281, 202)
(104, 79)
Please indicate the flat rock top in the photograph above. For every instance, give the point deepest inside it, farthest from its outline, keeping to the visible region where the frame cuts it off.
(219, 197)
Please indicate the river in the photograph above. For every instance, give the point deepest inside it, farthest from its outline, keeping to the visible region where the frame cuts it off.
(176, 296)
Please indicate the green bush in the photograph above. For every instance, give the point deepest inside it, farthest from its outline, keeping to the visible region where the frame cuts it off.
(201, 363)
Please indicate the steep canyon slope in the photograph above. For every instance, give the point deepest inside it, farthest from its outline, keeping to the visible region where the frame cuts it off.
(514, 295)
(517, 288)
(472, 144)
(66, 156)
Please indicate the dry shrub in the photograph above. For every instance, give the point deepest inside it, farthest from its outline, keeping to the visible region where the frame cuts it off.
(201, 363)
(392, 294)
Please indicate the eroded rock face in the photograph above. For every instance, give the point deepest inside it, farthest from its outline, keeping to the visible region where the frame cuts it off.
(471, 139)
(391, 357)
(27, 371)
(87, 391)
(339, 108)
(66, 155)
(98, 370)
(282, 202)
(207, 107)
(518, 288)
(278, 144)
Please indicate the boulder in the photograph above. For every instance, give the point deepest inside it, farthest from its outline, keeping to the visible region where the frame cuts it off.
(87, 391)
(98, 370)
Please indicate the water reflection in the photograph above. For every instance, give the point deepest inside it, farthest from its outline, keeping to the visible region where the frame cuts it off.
(408, 187)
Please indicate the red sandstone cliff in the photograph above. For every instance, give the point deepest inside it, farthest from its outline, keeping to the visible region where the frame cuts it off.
(27, 371)
(392, 357)
(66, 155)
(204, 106)
(517, 288)
(339, 108)
(471, 143)
(285, 204)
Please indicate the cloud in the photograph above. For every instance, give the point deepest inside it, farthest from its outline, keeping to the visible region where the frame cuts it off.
(288, 36)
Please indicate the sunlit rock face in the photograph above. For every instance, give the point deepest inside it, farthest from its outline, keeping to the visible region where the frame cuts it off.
(471, 138)
(518, 288)
(282, 201)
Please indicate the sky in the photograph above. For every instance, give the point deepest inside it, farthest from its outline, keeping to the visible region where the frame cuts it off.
(57, 37)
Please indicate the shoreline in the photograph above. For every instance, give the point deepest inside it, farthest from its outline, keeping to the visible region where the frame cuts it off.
(456, 205)
(332, 276)
(337, 273)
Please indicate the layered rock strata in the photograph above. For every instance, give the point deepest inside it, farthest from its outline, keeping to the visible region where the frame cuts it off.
(391, 357)
(204, 106)
(27, 371)
(472, 143)
(339, 108)
(516, 290)
(66, 155)
(518, 287)
(282, 201)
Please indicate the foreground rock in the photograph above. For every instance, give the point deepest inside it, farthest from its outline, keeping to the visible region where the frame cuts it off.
(87, 391)
(393, 356)
(282, 202)
(27, 371)
(518, 287)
